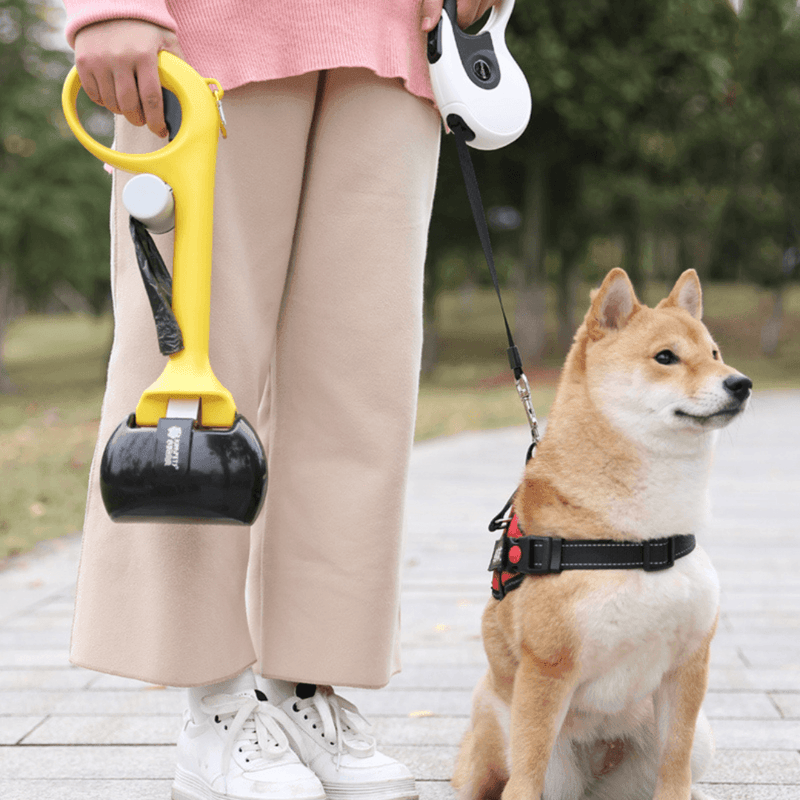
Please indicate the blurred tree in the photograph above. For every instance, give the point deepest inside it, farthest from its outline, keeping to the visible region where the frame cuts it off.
(617, 87)
(760, 228)
(630, 104)
(53, 195)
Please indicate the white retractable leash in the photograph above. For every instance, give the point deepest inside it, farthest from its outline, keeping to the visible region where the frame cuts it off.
(476, 82)
(484, 100)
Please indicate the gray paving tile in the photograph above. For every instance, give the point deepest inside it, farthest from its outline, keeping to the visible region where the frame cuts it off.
(22, 597)
(763, 602)
(403, 702)
(413, 731)
(77, 789)
(94, 763)
(782, 578)
(433, 676)
(106, 730)
(426, 762)
(749, 734)
(26, 703)
(754, 766)
(784, 625)
(470, 653)
(782, 656)
(104, 682)
(13, 729)
(750, 791)
(730, 679)
(55, 679)
(88, 703)
(775, 680)
(144, 702)
(772, 651)
(435, 790)
(35, 621)
(440, 633)
(787, 703)
(770, 638)
(740, 705)
(47, 639)
(15, 658)
(57, 605)
(37, 576)
(768, 680)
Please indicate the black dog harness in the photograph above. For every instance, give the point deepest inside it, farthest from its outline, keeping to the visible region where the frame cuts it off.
(516, 556)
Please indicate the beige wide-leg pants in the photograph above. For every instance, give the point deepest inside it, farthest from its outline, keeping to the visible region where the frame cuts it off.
(323, 196)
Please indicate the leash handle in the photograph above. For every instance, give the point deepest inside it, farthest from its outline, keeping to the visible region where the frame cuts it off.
(462, 135)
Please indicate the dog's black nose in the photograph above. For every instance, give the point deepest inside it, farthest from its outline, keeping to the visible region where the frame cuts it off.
(739, 386)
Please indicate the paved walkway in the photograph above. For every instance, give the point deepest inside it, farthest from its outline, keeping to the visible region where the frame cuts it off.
(69, 733)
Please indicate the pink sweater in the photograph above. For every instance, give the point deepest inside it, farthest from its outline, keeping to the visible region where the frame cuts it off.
(238, 42)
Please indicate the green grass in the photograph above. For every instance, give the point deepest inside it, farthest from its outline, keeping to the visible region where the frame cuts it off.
(48, 427)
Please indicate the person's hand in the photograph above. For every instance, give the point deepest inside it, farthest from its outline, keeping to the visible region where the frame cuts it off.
(117, 62)
(469, 11)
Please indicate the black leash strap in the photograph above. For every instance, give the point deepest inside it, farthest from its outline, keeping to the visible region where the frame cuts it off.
(462, 135)
(158, 283)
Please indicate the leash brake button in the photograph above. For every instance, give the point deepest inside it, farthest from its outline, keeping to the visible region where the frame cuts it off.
(435, 44)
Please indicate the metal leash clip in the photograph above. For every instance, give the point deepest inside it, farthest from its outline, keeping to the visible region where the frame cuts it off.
(524, 391)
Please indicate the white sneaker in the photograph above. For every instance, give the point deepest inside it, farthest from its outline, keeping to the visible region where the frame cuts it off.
(337, 745)
(233, 746)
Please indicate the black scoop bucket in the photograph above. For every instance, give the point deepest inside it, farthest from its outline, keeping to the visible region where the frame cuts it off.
(186, 454)
(179, 472)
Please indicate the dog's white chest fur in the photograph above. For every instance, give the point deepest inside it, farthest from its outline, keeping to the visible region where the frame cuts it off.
(634, 632)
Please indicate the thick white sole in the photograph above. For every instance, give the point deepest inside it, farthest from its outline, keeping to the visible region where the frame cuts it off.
(190, 787)
(395, 790)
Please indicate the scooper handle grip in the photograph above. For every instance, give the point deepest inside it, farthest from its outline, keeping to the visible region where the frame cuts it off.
(187, 164)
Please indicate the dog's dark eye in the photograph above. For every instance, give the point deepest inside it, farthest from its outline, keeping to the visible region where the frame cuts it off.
(715, 353)
(666, 357)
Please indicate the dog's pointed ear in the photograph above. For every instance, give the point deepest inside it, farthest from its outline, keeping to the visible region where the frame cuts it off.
(613, 304)
(686, 294)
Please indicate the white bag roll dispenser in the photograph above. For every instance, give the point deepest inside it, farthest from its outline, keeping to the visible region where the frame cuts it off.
(149, 199)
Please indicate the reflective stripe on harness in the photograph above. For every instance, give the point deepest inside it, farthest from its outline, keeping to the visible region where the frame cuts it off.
(515, 555)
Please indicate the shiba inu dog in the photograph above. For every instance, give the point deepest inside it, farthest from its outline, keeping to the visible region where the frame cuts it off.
(597, 675)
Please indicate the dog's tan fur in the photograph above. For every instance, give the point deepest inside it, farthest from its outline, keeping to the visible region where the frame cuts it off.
(596, 678)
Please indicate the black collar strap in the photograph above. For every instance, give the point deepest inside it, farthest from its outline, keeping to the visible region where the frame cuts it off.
(516, 556)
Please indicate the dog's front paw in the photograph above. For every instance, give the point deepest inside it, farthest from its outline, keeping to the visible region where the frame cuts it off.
(698, 794)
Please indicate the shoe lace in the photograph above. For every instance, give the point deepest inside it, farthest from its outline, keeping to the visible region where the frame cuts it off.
(341, 722)
(259, 729)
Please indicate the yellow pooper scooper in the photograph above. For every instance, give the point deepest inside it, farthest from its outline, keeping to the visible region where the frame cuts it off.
(185, 454)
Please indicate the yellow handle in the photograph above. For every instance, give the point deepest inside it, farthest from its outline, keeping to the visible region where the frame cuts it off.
(187, 164)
